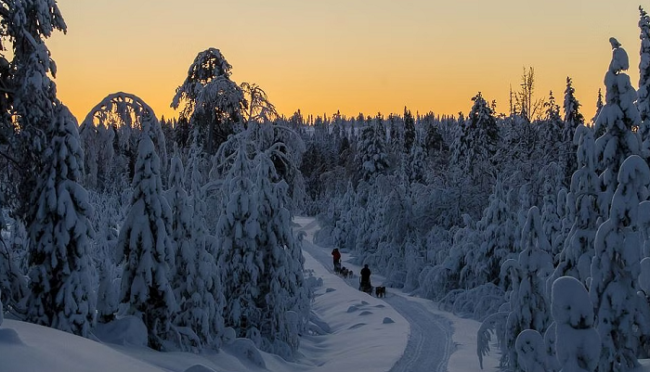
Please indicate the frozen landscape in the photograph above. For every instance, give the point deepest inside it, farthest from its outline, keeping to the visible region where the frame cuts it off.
(355, 331)
(513, 240)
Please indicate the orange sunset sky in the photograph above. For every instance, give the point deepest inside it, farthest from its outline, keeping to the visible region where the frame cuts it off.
(348, 55)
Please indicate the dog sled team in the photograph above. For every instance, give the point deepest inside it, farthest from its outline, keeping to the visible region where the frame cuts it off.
(364, 279)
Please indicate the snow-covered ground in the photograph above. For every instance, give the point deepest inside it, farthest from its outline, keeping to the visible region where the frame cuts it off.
(356, 332)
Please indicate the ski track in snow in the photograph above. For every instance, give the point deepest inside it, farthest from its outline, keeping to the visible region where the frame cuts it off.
(430, 341)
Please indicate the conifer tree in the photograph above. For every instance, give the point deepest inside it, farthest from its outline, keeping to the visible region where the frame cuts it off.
(572, 119)
(281, 296)
(13, 286)
(416, 162)
(345, 229)
(409, 130)
(372, 149)
(184, 278)
(478, 141)
(617, 118)
(551, 131)
(529, 307)
(237, 231)
(145, 248)
(643, 100)
(575, 258)
(27, 24)
(615, 269)
(551, 222)
(209, 296)
(497, 243)
(61, 295)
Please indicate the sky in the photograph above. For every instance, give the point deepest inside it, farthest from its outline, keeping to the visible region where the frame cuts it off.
(347, 55)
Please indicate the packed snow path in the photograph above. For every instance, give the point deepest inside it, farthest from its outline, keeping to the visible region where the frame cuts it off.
(430, 340)
(429, 345)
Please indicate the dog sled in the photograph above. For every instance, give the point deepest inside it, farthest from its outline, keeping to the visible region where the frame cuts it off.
(380, 291)
(365, 286)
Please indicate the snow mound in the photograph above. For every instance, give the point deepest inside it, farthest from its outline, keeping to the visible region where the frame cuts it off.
(245, 350)
(129, 330)
(358, 325)
(9, 337)
(68, 353)
(388, 320)
(229, 335)
(199, 368)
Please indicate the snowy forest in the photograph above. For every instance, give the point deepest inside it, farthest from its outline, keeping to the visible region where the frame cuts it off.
(535, 222)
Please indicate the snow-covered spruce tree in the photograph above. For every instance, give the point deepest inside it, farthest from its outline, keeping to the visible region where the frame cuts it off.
(416, 162)
(105, 279)
(643, 100)
(108, 291)
(371, 216)
(615, 268)
(213, 102)
(27, 24)
(476, 141)
(618, 118)
(209, 292)
(572, 119)
(372, 150)
(551, 130)
(550, 219)
(599, 106)
(282, 297)
(566, 211)
(145, 249)
(577, 343)
(345, 229)
(529, 306)
(60, 281)
(575, 258)
(397, 231)
(237, 231)
(497, 243)
(13, 286)
(192, 321)
(409, 131)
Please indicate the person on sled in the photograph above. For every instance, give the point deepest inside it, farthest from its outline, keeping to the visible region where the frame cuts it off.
(336, 257)
(365, 285)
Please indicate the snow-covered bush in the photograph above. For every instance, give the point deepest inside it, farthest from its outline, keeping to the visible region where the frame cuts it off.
(577, 343)
(529, 307)
(529, 347)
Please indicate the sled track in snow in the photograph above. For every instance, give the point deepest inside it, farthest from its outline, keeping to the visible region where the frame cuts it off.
(430, 345)
(430, 341)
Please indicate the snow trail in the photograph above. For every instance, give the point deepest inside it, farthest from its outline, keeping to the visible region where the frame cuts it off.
(430, 341)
